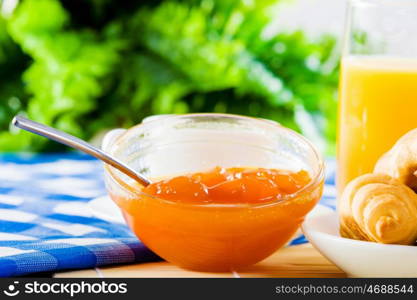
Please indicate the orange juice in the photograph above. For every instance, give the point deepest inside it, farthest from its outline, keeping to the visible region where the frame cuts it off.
(377, 105)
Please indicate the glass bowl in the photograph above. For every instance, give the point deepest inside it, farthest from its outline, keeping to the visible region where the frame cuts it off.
(211, 237)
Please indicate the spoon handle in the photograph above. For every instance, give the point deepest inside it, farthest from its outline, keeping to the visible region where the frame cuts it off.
(74, 142)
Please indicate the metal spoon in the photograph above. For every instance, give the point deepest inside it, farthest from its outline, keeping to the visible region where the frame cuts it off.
(74, 142)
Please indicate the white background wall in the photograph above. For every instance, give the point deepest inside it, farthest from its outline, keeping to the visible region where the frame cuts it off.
(313, 16)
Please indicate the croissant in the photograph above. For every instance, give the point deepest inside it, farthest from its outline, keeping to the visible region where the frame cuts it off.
(401, 161)
(379, 208)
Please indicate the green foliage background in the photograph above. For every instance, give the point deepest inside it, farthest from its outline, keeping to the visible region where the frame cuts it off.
(87, 66)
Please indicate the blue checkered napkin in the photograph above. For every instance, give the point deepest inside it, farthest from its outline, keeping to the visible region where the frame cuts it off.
(46, 224)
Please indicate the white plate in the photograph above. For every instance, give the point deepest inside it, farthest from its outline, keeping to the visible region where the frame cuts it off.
(359, 258)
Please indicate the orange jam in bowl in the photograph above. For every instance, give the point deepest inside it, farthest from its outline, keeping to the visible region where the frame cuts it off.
(212, 218)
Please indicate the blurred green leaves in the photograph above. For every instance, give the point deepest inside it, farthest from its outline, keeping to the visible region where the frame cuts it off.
(117, 63)
(63, 81)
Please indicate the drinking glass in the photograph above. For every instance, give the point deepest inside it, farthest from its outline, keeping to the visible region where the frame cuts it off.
(378, 83)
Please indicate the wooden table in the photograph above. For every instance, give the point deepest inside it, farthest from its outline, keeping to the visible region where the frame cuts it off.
(295, 261)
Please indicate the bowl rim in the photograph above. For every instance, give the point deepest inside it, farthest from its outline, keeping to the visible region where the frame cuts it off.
(317, 179)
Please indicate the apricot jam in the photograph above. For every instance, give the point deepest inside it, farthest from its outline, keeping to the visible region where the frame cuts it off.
(231, 185)
(223, 219)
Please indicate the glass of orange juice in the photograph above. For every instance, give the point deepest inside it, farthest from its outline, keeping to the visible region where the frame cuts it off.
(378, 83)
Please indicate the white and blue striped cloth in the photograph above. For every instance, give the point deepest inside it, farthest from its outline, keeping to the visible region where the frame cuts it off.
(46, 224)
